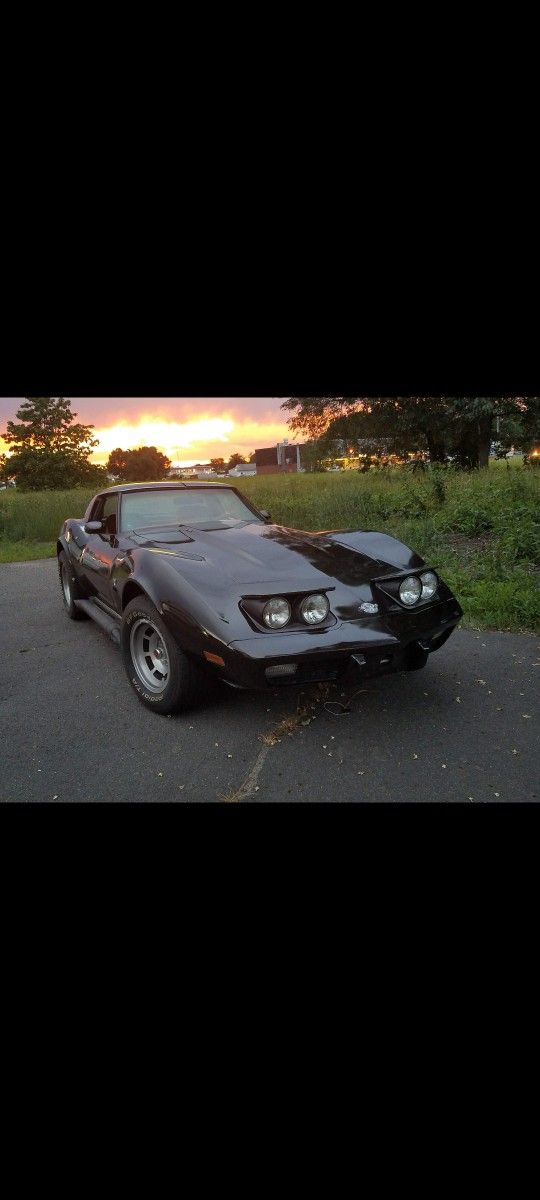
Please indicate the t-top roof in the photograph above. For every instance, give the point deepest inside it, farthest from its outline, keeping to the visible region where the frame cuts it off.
(175, 485)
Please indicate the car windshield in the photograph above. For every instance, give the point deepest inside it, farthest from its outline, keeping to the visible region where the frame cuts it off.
(205, 508)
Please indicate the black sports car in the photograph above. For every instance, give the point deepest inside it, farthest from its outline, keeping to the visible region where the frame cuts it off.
(192, 578)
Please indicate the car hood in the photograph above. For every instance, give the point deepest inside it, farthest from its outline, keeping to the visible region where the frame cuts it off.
(254, 554)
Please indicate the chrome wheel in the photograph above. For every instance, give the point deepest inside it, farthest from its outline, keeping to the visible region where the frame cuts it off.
(149, 656)
(66, 583)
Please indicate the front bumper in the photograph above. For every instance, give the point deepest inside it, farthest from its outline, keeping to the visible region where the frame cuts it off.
(381, 644)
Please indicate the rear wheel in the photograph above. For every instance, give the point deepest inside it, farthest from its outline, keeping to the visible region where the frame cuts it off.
(163, 677)
(70, 588)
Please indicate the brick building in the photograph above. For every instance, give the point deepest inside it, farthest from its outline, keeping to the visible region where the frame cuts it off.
(282, 459)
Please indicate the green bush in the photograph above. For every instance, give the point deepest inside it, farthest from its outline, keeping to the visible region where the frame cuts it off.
(470, 521)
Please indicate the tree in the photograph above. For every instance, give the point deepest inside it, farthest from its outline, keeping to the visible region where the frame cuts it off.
(457, 426)
(395, 425)
(471, 425)
(234, 460)
(313, 414)
(117, 463)
(3, 468)
(148, 463)
(138, 466)
(48, 449)
(218, 464)
(524, 433)
(474, 417)
(316, 453)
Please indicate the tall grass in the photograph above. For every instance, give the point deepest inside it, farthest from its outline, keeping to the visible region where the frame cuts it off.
(498, 500)
(38, 516)
(480, 529)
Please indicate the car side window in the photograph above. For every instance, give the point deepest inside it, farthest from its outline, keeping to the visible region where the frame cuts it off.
(109, 517)
(106, 510)
(96, 510)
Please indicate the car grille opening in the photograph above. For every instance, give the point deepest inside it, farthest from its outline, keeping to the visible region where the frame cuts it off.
(320, 673)
(281, 670)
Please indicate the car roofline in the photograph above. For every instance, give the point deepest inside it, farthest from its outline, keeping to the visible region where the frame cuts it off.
(167, 484)
(123, 489)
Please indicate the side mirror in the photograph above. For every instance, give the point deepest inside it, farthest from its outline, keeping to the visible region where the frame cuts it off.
(93, 526)
(264, 514)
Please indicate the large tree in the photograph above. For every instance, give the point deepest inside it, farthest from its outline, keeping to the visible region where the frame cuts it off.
(401, 420)
(139, 466)
(48, 449)
(459, 426)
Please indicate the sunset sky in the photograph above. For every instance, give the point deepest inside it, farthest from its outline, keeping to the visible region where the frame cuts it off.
(187, 430)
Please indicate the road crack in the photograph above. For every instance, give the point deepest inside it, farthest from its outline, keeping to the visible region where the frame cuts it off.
(286, 727)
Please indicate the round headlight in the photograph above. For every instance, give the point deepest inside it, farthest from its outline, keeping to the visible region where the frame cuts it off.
(429, 583)
(314, 609)
(277, 613)
(410, 590)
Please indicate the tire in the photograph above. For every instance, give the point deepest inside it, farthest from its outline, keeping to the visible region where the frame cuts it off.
(70, 588)
(164, 678)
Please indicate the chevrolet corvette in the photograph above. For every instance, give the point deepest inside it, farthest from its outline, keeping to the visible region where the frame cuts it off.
(190, 579)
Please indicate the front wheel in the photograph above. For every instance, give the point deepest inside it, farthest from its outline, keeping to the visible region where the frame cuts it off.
(70, 588)
(163, 677)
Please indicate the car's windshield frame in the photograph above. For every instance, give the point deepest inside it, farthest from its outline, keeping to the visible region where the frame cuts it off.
(126, 525)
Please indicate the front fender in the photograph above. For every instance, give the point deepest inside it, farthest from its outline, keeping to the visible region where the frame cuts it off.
(72, 539)
(192, 621)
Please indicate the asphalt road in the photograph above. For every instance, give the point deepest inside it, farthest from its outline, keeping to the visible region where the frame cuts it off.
(464, 729)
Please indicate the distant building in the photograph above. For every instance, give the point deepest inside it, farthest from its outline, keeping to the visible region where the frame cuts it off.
(190, 472)
(282, 459)
(243, 469)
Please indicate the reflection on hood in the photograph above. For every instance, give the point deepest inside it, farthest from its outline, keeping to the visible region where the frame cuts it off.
(252, 552)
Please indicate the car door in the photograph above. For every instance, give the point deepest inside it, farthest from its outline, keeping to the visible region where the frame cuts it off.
(101, 550)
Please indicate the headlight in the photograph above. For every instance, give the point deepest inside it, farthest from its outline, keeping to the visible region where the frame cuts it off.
(430, 584)
(277, 613)
(314, 609)
(410, 590)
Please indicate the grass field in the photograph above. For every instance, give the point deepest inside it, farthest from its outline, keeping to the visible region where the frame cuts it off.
(480, 530)
(25, 551)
